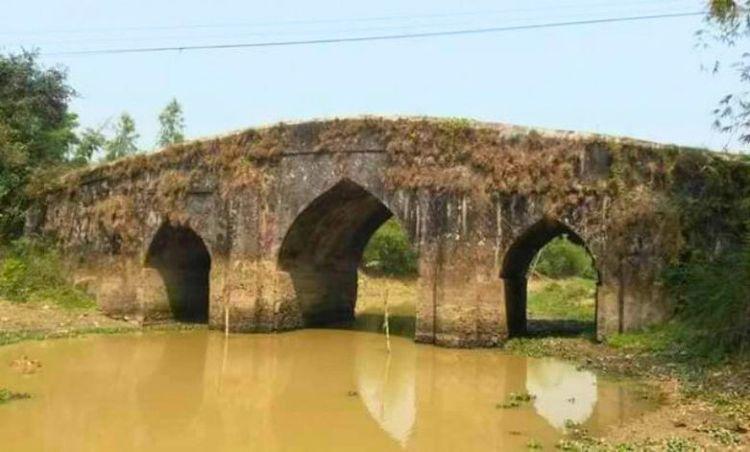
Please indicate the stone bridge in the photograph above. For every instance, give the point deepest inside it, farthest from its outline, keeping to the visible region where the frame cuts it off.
(266, 227)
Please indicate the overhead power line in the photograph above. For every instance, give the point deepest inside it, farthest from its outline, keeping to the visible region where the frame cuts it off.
(385, 37)
(380, 25)
(383, 18)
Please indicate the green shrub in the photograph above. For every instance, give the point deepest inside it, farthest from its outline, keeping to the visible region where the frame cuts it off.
(389, 252)
(561, 258)
(33, 271)
(713, 297)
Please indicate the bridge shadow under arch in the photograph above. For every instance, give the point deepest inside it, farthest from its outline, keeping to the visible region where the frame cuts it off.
(323, 249)
(184, 263)
(516, 267)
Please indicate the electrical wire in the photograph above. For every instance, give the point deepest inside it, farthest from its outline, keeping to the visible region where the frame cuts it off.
(485, 13)
(373, 38)
(414, 27)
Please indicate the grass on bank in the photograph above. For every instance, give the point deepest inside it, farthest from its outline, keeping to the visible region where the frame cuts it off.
(561, 290)
(34, 272)
(13, 337)
(372, 291)
(569, 299)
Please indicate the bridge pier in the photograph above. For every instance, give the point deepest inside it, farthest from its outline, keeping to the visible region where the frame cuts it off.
(257, 297)
(459, 295)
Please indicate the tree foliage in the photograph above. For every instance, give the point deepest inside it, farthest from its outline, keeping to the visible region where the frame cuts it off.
(89, 142)
(172, 124)
(730, 20)
(562, 258)
(389, 252)
(36, 130)
(124, 141)
(728, 12)
(714, 300)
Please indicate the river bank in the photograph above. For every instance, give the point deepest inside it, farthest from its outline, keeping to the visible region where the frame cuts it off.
(702, 407)
(38, 320)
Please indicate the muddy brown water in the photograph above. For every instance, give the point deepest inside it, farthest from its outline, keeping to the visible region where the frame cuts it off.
(311, 390)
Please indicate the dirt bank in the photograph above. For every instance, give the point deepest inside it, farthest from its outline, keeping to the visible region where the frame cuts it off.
(19, 321)
(701, 409)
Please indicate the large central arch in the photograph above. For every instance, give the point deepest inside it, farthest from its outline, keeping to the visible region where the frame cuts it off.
(323, 248)
(516, 266)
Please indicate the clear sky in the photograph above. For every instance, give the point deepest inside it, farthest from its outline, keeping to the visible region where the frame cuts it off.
(640, 79)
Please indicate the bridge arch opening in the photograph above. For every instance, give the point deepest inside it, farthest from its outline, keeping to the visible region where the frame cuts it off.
(568, 304)
(323, 252)
(184, 263)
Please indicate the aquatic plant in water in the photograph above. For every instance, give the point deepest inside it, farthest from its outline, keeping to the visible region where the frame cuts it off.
(7, 395)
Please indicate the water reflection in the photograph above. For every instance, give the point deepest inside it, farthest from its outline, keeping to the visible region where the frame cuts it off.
(306, 390)
(387, 386)
(562, 392)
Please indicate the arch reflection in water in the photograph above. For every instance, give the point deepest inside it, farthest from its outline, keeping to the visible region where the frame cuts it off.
(563, 393)
(386, 383)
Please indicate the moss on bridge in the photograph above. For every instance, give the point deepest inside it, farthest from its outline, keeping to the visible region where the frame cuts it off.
(665, 189)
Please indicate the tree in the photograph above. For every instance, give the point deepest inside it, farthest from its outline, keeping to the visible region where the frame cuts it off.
(389, 252)
(124, 141)
(172, 124)
(730, 19)
(88, 143)
(561, 258)
(36, 130)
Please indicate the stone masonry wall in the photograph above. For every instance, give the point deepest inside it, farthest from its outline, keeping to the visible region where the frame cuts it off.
(285, 212)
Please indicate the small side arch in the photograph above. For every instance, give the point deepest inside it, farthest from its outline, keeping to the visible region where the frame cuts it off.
(516, 265)
(184, 263)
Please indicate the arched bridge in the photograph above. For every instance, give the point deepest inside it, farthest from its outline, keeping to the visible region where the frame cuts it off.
(269, 225)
